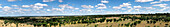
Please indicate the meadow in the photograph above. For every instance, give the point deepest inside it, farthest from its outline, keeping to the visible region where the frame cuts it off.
(110, 20)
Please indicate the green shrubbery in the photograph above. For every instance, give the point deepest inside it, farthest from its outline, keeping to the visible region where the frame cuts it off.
(83, 19)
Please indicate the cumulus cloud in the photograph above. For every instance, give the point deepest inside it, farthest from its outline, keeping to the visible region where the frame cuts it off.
(76, 8)
(60, 0)
(11, 0)
(0, 4)
(67, 6)
(143, 0)
(149, 8)
(70, 7)
(155, 2)
(24, 9)
(48, 0)
(6, 8)
(58, 9)
(87, 6)
(160, 5)
(123, 5)
(130, 10)
(37, 7)
(1, 7)
(15, 5)
(158, 1)
(164, 8)
(137, 7)
(116, 7)
(48, 10)
(39, 4)
(104, 1)
(101, 6)
(63, 6)
(85, 10)
(25, 6)
(164, 0)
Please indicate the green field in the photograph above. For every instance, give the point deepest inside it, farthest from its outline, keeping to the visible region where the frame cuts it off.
(121, 20)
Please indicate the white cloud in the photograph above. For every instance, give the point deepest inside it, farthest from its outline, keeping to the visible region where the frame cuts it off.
(11, 0)
(149, 8)
(48, 0)
(1, 7)
(15, 5)
(25, 6)
(48, 10)
(15, 9)
(125, 5)
(164, 8)
(6, 8)
(129, 10)
(143, 0)
(117, 7)
(129, 7)
(62, 6)
(24, 10)
(70, 7)
(76, 8)
(58, 9)
(85, 10)
(123, 9)
(37, 7)
(87, 6)
(0, 4)
(137, 7)
(60, 0)
(104, 1)
(67, 6)
(39, 4)
(155, 2)
(164, 0)
(160, 5)
(101, 6)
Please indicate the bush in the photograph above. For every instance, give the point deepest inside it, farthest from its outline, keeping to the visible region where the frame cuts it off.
(109, 20)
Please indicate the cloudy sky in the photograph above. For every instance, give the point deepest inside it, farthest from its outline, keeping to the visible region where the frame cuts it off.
(81, 7)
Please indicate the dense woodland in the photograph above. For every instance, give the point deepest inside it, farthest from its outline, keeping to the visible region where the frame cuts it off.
(88, 19)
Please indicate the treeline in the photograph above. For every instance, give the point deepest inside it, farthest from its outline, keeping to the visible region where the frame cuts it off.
(52, 21)
(166, 19)
(82, 19)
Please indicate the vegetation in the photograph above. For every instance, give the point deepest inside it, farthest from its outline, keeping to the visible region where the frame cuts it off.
(88, 19)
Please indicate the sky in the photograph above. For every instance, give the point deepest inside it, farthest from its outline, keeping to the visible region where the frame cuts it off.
(81, 7)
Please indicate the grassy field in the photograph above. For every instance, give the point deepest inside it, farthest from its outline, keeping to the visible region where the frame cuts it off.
(124, 20)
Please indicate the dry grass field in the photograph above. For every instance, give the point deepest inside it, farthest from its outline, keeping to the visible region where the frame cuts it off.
(88, 21)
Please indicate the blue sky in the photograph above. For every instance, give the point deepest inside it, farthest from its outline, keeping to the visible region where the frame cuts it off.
(81, 7)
